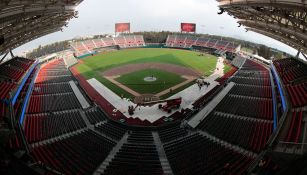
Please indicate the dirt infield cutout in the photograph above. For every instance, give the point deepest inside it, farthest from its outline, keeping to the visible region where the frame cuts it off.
(184, 72)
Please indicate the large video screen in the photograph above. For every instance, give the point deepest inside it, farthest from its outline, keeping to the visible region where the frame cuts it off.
(188, 27)
(122, 27)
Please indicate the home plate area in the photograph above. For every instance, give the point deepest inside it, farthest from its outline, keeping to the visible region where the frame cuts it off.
(152, 113)
(151, 108)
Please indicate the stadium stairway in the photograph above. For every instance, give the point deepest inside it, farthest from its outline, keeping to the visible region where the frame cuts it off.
(138, 155)
(167, 170)
(103, 166)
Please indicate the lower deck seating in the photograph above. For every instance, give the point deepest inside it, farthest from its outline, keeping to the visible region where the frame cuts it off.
(253, 74)
(170, 133)
(44, 126)
(95, 115)
(248, 134)
(40, 89)
(252, 91)
(196, 154)
(251, 81)
(79, 154)
(138, 156)
(247, 106)
(46, 72)
(111, 130)
(53, 79)
(54, 102)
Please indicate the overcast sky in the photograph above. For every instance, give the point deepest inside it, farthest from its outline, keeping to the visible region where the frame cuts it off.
(99, 17)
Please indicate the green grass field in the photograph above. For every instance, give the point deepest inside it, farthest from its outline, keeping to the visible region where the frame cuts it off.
(93, 66)
(135, 81)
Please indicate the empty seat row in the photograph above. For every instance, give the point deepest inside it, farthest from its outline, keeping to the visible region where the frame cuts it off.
(48, 72)
(111, 130)
(170, 133)
(54, 102)
(44, 126)
(294, 76)
(95, 115)
(251, 81)
(78, 154)
(5, 89)
(249, 134)
(196, 154)
(250, 65)
(141, 137)
(296, 128)
(42, 88)
(253, 74)
(11, 73)
(290, 69)
(19, 63)
(138, 156)
(298, 94)
(246, 106)
(252, 91)
(53, 79)
(55, 64)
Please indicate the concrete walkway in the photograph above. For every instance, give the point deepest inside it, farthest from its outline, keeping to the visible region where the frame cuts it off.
(167, 170)
(79, 95)
(103, 166)
(201, 115)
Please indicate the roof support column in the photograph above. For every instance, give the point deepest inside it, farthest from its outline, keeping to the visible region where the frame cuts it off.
(298, 54)
(4, 57)
(11, 52)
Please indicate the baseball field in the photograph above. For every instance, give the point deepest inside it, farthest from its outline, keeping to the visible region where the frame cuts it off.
(160, 72)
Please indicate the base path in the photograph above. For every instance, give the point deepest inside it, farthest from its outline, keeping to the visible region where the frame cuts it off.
(188, 80)
(112, 79)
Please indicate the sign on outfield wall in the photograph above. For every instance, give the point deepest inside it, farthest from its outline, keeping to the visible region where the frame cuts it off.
(122, 27)
(188, 27)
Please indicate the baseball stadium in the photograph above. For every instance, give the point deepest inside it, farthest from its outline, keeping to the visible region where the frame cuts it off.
(142, 102)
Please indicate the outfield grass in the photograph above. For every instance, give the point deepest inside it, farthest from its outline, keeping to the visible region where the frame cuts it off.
(204, 64)
(135, 81)
(93, 66)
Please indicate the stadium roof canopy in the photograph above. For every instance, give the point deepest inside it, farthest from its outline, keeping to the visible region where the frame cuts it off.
(26, 20)
(283, 20)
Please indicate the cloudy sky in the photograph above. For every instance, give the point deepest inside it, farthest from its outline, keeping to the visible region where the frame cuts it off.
(99, 16)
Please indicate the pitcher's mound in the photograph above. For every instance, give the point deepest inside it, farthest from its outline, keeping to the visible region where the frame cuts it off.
(150, 79)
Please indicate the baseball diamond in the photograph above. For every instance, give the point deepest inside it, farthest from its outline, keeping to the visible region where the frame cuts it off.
(124, 71)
